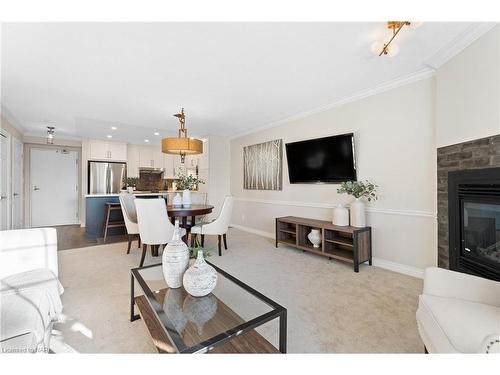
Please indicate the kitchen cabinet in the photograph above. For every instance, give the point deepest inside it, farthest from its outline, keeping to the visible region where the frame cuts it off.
(191, 161)
(150, 157)
(102, 150)
(168, 165)
(133, 161)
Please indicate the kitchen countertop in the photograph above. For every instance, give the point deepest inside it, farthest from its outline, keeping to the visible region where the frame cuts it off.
(139, 193)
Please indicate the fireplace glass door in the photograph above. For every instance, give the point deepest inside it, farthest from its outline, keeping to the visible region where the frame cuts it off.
(480, 235)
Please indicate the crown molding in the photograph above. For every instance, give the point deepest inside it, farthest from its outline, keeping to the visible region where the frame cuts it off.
(457, 45)
(6, 114)
(381, 88)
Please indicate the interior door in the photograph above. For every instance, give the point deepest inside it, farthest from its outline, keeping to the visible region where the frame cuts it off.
(4, 182)
(17, 184)
(54, 187)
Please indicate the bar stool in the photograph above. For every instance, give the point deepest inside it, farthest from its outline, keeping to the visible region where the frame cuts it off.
(108, 208)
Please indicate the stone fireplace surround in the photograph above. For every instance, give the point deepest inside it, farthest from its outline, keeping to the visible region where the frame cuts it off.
(480, 153)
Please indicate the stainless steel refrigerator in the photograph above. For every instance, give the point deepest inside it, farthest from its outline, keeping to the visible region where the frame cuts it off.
(106, 177)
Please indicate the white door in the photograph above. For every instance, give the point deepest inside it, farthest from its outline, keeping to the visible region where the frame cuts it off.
(4, 182)
(54, 187)
(17, 184)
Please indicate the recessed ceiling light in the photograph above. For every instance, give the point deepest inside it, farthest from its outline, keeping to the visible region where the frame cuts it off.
(109, 136)
(156, 133)
(114, 128)
(146, 140)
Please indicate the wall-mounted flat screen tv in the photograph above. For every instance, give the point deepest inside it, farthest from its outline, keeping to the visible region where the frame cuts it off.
(322, 160)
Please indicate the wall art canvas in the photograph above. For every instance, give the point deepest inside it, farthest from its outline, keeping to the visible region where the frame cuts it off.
(262, 166)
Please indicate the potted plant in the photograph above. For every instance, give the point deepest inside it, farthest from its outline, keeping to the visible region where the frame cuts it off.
(359, 190)
(186, 183)
(132, 184)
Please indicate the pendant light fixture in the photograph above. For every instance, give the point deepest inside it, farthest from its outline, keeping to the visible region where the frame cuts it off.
(50, 135)
(389, 48)
(181, 145)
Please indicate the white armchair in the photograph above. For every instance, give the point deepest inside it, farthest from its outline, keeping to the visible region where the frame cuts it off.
(127, 202)
(217, 227)
(459, 313)
(29, 289)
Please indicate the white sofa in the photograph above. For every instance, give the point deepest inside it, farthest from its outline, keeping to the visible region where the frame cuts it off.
(29, 289)
(459, 313)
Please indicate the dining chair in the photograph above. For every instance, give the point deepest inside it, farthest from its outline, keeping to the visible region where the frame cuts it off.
(130, 218)
(155, 227)
(217, 227)
(198, 198)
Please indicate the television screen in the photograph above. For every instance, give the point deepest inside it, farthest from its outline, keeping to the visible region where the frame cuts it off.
(322, 160)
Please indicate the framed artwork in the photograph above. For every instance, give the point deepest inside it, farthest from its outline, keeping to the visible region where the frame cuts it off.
(262, 166)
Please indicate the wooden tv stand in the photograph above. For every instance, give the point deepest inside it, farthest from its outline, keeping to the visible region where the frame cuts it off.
(349, 244)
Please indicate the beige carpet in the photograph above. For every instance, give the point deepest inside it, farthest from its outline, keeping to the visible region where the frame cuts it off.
(331, 309)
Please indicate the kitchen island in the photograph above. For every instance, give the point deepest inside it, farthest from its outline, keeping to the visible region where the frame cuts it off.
(95, 211)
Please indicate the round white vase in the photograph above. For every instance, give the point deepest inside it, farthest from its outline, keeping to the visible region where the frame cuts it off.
(340, 216)
(358, 213)
(315, 237)
(200, 279)
(177, 200)
(130, 189)
(175, 259)
(186, 198)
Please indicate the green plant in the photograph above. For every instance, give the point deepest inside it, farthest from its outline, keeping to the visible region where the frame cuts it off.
(193, 250)
(188, 182)
(359, 189)
(132, 181)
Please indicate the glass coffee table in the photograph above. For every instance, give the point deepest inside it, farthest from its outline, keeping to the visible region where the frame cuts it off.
(222, 322)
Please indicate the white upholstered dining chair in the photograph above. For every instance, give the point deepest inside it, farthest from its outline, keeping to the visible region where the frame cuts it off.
(155, 227)
(217, 227)
(130, 218)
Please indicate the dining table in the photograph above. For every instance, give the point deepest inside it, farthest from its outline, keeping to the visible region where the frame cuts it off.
(183, 212)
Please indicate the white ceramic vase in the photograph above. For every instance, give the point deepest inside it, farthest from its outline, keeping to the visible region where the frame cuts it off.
(315, 237)
(186, 198)
(340, 216)
(175, 259)
(130, 189)
(177, 200)
(200, 279)
(358, 213)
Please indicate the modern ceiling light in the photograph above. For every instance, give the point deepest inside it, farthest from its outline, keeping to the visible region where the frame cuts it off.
(50, 135)
(156, 133)
(146, 140)
(182, 145)
(109, 136)
(389, 48)
(114, 128)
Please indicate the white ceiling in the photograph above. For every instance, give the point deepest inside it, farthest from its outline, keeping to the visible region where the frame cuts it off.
(84, 78)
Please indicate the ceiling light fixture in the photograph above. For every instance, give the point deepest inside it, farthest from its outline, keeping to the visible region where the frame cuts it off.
(109, 136)
(146, 140)
(389, 48)
(182, 144)
(156, 133)
(50, 135)
(114, 128)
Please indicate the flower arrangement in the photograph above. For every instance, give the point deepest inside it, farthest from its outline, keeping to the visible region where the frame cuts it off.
(132, 181)
(359, 189)
(188, 182)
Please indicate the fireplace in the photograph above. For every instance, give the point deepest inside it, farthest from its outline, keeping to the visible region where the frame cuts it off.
(474, 221)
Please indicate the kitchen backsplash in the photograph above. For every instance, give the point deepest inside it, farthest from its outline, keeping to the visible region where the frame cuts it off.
(153, 181)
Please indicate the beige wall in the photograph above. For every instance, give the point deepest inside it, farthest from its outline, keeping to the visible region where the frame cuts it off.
(395, 147)
(468, 92)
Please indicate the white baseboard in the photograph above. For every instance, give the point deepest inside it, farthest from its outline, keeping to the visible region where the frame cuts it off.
(378, 262)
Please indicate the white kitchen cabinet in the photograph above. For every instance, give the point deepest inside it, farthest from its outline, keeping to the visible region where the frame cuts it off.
(101, 150)
(133, 161)
(150, 157)
(191, 161)
(168, 165)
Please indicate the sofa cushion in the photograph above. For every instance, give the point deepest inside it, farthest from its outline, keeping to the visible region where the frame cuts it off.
(455, 325)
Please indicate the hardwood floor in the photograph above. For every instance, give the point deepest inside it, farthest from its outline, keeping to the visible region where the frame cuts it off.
(74, 236)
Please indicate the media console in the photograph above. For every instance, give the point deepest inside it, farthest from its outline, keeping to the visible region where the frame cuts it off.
(349, 244)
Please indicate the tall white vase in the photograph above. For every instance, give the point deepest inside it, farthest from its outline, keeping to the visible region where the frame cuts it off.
(186, 198)
(340, 216)
(358, 213)
(175, 259)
